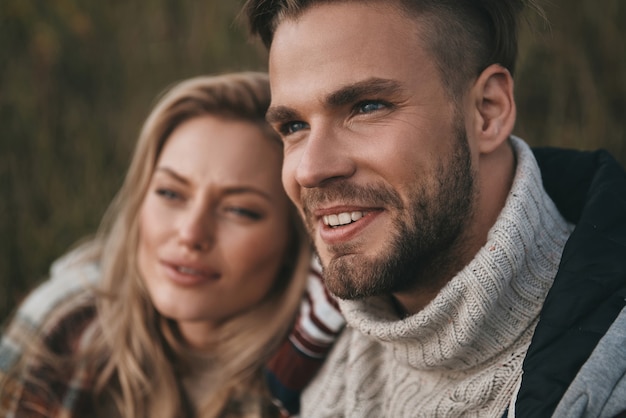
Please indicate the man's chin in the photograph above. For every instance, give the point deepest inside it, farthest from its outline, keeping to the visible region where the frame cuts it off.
(348, 277)
(341, 290)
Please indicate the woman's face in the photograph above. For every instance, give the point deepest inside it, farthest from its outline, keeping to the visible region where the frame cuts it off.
(213, 226)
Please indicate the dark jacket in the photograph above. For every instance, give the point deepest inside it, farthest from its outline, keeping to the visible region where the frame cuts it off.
(589, 291)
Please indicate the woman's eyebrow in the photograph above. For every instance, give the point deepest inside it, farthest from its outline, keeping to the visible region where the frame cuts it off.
(227, 191)
(171, 173)
(237, 190)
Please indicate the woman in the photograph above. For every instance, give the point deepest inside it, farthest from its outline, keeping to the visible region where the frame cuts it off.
(190, 284)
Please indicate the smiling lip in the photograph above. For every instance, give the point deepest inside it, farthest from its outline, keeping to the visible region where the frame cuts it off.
(338, 225)
(185, 274)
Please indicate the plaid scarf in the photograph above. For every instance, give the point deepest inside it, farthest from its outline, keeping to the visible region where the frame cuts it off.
(57, 314)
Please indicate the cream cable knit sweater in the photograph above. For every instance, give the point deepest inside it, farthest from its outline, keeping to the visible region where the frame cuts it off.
(462, 354)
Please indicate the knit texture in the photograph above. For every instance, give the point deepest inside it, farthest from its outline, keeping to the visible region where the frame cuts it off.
(462, 354)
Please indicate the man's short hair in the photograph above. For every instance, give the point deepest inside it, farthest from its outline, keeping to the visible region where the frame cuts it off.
(464, 36)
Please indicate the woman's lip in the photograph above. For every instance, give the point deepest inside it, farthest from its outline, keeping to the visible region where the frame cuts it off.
(342, 234)
(188, 274)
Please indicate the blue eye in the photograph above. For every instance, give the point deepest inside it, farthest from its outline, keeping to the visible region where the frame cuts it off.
(293, 127)
(245, 213)
(168, 194)
(370, 106)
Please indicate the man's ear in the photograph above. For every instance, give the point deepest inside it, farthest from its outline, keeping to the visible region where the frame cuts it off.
(494, 108)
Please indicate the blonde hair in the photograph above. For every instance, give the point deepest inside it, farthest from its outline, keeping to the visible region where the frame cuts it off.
(134, 350)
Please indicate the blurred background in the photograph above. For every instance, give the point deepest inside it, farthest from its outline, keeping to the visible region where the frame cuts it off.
(78, 78)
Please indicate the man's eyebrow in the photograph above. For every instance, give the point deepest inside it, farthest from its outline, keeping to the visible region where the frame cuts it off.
(371, 88)
(278, 114)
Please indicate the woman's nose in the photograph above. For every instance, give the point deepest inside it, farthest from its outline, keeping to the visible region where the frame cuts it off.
(196, 228)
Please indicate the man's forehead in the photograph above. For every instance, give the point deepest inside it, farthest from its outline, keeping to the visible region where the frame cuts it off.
(328, 32)
(335, 52)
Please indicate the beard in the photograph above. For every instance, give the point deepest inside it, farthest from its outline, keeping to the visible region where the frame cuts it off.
(425, 239)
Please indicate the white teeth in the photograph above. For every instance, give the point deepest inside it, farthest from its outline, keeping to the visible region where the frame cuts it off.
(343, 218)
(355, 216)
(187, 270)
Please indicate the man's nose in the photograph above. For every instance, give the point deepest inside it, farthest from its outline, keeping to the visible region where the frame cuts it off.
(326, 156)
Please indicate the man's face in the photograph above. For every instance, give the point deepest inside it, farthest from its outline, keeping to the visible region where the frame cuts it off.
(376, 157)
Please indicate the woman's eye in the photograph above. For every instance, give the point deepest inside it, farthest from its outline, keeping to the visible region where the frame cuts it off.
(292, 127)
(244, 213)
(370, 106)
(168, 194)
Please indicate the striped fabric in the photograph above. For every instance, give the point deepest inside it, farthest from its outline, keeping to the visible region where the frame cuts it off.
(297, 360)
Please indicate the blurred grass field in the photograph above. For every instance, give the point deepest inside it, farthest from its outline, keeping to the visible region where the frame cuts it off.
(78, 78)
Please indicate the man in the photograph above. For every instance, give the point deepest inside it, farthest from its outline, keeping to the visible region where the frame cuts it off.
(431, 220)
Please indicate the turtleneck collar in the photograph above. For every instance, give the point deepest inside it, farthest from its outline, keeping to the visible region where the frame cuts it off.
(493, 304)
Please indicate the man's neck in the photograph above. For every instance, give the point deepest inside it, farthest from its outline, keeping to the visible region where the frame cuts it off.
(496, 172)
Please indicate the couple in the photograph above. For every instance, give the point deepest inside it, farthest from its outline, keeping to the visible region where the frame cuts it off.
(477, 278)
